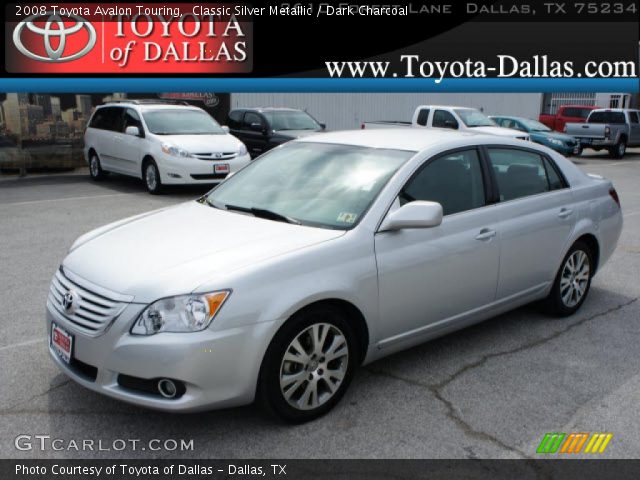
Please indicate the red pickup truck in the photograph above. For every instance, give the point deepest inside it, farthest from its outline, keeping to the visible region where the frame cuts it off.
(566, 114)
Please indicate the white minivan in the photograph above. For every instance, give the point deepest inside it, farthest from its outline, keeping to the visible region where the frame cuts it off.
(163, 143)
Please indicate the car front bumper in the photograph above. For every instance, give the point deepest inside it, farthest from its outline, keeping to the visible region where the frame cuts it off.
(218, 368)
(182, 171)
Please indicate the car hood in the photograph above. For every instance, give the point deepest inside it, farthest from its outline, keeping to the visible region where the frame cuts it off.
(503, 132)
(174, 251)
(203, 143)
(558, 136)
(296, 133)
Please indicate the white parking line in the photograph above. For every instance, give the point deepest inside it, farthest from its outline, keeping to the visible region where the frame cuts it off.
(23, 344)
(31, 202)
(609, 164)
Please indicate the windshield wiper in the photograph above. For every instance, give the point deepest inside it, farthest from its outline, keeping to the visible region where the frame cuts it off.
(263, 213)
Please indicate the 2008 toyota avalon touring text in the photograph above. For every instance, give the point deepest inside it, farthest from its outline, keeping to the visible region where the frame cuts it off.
(325, 253)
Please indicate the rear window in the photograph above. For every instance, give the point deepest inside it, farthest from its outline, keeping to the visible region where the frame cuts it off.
(108, 118)
(607, 117)
(576, 112)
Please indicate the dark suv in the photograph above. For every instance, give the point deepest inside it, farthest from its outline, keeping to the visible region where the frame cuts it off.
(261, 129)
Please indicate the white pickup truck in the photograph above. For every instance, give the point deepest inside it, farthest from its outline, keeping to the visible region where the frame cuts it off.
(455, 118)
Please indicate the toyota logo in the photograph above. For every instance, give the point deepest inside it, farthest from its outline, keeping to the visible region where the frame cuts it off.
(69, 301)
(217, 155)
(54, 55)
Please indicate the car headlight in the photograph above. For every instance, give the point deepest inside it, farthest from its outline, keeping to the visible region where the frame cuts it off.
(175, 151)
(242, 150)
(555, 141)
(184, 313)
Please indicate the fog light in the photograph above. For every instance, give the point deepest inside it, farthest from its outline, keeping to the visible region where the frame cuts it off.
(167, 388)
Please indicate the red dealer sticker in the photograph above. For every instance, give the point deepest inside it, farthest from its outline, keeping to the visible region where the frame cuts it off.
(182, 38)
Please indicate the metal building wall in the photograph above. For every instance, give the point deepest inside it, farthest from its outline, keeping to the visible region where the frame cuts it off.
(348, 110)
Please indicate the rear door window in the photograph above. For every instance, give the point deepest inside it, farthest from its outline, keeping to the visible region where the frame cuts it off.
(423, 116)
(235, 119)
(521, 173)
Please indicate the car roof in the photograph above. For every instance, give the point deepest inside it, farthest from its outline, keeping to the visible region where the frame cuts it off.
(511, 117)
(409, 138)
(150, 106)
(452, 107)
(269, 109)
(615, 110)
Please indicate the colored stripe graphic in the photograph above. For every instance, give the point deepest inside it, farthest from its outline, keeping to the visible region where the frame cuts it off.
(598, 443)
(574, 442)
(557, 442)
(550, 443)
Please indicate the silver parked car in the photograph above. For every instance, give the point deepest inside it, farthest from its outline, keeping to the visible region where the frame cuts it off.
(325, 253)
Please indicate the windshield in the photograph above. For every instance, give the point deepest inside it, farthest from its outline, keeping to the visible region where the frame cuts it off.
(534, 126)
(291, 120)
(316, 184)
(181, 122)
(474, 118)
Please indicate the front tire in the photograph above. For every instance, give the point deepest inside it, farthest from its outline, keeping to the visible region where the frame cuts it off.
(151, 177)
(573, 281)
(95, 168)
(308, 365)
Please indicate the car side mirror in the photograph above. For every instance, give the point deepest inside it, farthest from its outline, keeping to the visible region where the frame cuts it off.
(323, 126)
(451, 124)
(418, 214)
(132, 130)
(225, 128)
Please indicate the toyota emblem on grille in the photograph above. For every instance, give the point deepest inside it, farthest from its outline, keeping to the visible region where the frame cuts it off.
(54, 55)
(217, 155)
(69, 301)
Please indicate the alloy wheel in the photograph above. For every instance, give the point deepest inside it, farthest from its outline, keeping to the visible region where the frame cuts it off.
(314, 365)
(575, 278)
(151, 178)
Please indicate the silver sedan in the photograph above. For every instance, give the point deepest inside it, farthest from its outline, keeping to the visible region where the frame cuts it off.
(325, 253)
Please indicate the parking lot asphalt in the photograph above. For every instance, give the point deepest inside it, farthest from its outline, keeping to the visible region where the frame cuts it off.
(492, 390)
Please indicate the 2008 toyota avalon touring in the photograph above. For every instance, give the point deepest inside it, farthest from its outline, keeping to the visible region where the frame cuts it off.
(325, 253)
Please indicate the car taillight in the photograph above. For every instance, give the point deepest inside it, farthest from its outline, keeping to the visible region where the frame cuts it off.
(614, 195)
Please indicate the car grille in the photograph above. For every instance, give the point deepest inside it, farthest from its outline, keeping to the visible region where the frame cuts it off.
(96, 307)
(215, 155)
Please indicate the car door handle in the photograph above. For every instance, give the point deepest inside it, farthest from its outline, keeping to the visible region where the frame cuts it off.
(486, 234)
(565, 212)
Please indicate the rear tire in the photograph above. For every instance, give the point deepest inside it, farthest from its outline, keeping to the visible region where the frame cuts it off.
(572, 283)
(619, 149)
(302, 379)
(95, 168)
(151, 177)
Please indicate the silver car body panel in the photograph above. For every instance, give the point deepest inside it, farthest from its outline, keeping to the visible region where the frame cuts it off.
(409, 286)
